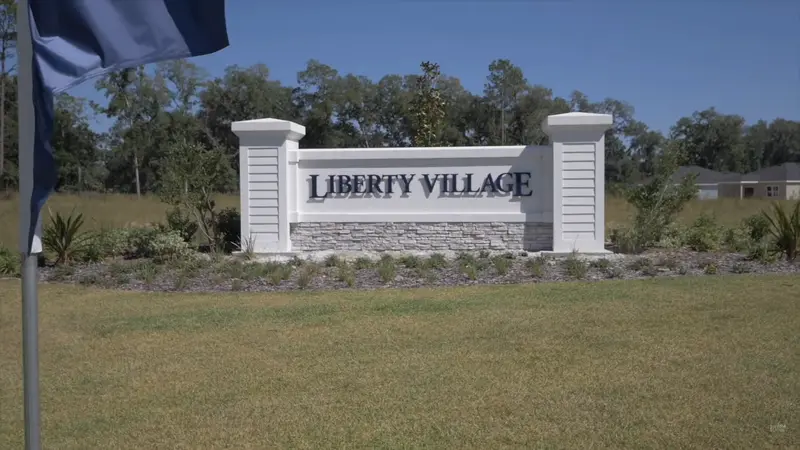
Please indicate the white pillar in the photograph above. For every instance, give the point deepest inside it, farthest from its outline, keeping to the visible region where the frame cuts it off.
(264, 181)
(578, 180)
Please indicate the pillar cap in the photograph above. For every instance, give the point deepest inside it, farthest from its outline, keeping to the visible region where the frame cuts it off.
(291, 130)
(576, 121)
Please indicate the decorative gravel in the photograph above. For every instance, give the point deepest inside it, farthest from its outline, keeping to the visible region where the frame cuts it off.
(234, 273)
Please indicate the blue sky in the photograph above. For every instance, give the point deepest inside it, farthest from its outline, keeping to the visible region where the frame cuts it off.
(667, 58)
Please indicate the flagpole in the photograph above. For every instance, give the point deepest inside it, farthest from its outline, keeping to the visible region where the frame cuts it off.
(29, 272)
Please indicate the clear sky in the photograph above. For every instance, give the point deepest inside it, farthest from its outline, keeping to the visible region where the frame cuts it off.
(668, 58)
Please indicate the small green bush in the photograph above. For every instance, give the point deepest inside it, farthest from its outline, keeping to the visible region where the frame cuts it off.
(470, 270)
(181, 222)
(152, 243)
(228, 229)
(537, 266)
(387, 269)
(92, 250)
(436, 261)
(9, 263)
(575, 267)
(362, 263)
(625, 240)
(306, 276)
(346, 274)
(501, 265)
(737, 239)
(757, 227)
(705, 234)
(674, 236)
(332, 261)
(411, 261)
(601, 263)
(114, 242)
(277, 273)
(763, 252)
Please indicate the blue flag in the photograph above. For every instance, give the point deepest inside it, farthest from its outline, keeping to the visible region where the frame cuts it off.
(74, 40)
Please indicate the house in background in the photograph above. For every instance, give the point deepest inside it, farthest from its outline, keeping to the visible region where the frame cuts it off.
(776, 182)
(707, 180)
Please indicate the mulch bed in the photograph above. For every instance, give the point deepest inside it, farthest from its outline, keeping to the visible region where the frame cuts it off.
(233, 275)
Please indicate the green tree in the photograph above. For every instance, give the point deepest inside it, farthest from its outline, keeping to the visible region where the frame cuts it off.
(75, 144)
(428, 107)
(8, 40)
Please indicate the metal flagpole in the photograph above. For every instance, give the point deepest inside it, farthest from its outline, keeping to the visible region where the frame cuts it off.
(29, 272)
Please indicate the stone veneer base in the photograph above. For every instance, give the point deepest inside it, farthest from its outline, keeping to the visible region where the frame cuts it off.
(394, 236)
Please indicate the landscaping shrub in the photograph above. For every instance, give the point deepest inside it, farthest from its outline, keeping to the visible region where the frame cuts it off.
(182, 223)
(411, 261)
(575, 267)
(153, 243)
(387, 269)
(436, 261)
(658, 201)
(785, 229)
(114, 242)
(228, 229)
(737, 239)
(278, 273)
(9, 263)
(92, 250)
(63, 236)
(362, 262)
(332, 261)
(625, 241)
(502, 264)
(537, 266)
(674, 236)
(346, 274)
(705, 235)
(306, 276)
(757, 227)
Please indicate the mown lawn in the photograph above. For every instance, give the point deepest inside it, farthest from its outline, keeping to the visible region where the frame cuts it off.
(691, 362)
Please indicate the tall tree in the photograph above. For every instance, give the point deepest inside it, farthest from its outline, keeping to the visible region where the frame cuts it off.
(137, 101)
(428, 107)
(8, 41)
(504, 85)
(712, 140)
(75, 144)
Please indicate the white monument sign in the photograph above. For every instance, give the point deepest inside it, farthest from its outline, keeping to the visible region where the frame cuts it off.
(425, 198)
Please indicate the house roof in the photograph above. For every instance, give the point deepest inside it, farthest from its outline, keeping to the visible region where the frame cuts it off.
(786, 171)
(703, 175)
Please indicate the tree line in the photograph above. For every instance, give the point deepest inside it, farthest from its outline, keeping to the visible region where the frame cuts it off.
(170, 123)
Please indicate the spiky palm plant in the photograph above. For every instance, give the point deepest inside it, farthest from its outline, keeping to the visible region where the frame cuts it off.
(785, 228)
(63, 236)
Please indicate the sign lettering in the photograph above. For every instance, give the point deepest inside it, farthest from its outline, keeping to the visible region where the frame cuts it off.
(514, 183)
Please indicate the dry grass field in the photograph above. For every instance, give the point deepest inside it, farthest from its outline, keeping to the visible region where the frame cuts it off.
(115, 210)
(690, 362)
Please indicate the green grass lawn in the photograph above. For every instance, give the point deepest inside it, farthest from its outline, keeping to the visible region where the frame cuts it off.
(705, 362)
